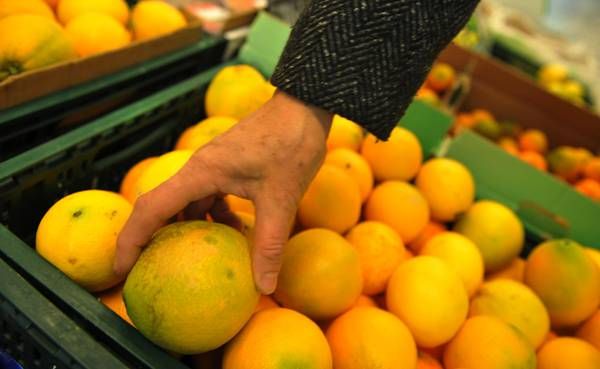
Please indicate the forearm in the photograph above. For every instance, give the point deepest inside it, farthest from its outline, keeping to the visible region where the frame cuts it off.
(366, 59)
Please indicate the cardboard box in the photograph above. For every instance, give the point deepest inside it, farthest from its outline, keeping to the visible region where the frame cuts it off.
(511, 95)
(217, 19)
(40, 82)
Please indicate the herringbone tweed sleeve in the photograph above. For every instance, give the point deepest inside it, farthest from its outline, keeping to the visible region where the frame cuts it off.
(365, 59)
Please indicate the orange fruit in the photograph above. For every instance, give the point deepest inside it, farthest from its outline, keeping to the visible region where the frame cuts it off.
(463, 121)
(78, 234)
(52, 3)
(364, 301)
(236, 91)
(12, 7)
(515, 271)
(482, 115)
(591, 169)
(31, 41)
(265, 302)
(429, 298)
(237, 203)
(399, 205)
(427, 95)
(202, 133)
(320, 274)
(161, 170)
(192, 289)
(331, 201)
(441, 77)
(154, 18)
(356, 166)
(380, 251)
(534, 159)
(509, 145)
(589, 187)
(95, 33)
(549, 337)
(398, 158)
(113, 299)
(566, 279)
(69, 9)
(533, 140)
(568, 353)
(431, 229)
(278, 338)
(461, 255)
(594, 254)
(426, 361)
(129, 183)
(344, 133)
(448, 187)
(486, 342)
(568, 162)
(590, 330)
(370, 338)
(515, 304)
(496, 231)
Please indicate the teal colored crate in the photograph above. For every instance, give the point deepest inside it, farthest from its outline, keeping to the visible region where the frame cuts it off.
(548, 207)
(37, 334)
(27, 125)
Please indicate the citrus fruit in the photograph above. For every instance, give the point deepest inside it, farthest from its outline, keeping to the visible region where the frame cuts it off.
(265, 302)
(320, 275)
(533, 140)
(31, 41)
(129, 183)
(399, 205)
(356, 166)
(566, 279)
(552, 72)
(448, 187)
(590, 330)
(398, 158)
(496, 231)
(461, 255)
(364, 301)
(589, 187)
(591, 169)
(236, 91)
(278, 338)
(370, 338)
(515, 304)
(12, 7)
(567, 162)
(344, 133)
(113, 299)
(192, 290)
(429, 298)
(202, 133)
(486, 342)
(427, 95)
(441, 77)
(426, 361)
(380, 251)
(534, 159)
(237, 203)
(568, 353)
(331, 201)
(594, 254)
(153, 18)
(69, 9)
(78, 234)
(163, 168)
(515, 271)
(95, 33)
(431, 229)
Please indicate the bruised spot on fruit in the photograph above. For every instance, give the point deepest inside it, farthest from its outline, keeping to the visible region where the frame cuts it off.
(72, 260)
(78, 213)
(230, 274)
(348, 166)
(112, 214)
(210, 240)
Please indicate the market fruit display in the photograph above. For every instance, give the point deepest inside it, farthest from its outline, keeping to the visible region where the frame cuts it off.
(36, 33)
(31, 41)
(192, 288)
(408, 274)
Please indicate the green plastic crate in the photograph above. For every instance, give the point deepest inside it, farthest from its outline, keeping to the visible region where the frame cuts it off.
(37, 334)
(30, 124)
(96, 155)
(548, 207)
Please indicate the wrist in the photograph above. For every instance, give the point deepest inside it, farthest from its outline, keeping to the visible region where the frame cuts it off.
(323, 116)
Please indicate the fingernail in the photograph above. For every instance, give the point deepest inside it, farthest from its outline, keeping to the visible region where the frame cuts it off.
(268, 282)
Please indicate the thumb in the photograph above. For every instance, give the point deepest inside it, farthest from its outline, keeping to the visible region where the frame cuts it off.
(273, 224)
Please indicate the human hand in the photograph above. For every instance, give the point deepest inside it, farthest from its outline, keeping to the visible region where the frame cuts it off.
(269, 158)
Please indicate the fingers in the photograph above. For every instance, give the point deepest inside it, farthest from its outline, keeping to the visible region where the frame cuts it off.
(221, 213)
(273, 225)
(153, 209)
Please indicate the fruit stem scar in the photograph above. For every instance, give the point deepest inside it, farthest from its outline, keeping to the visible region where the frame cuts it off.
(78, 213)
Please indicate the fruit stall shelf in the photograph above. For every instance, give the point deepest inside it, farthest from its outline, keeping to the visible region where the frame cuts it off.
(29, 124)
(36, 334)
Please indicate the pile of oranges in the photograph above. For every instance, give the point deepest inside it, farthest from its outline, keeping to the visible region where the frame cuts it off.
(392, 264)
